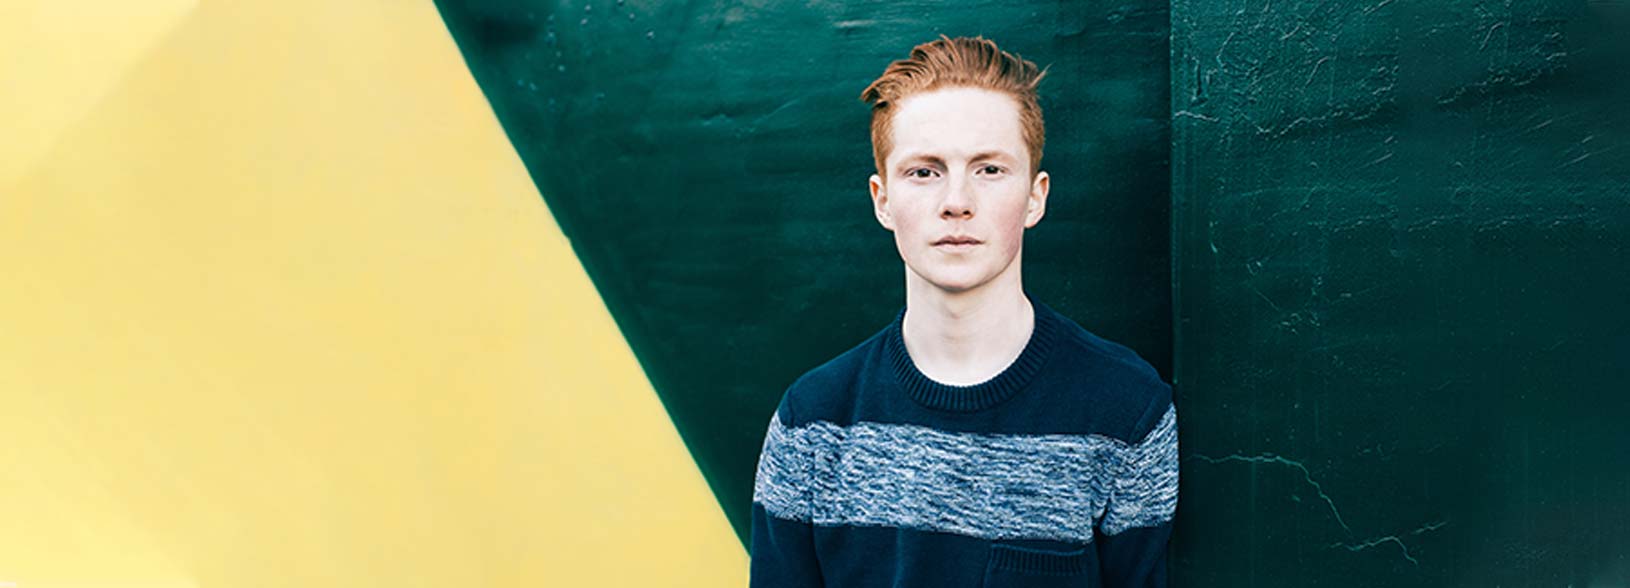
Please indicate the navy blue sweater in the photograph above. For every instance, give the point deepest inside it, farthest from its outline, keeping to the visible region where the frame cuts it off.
(1059, 471)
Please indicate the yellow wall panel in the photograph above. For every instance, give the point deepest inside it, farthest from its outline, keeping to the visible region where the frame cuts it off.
(58, 57)
(284, 309)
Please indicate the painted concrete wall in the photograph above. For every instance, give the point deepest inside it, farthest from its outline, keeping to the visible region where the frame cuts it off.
(503, 292)
(1403, 342)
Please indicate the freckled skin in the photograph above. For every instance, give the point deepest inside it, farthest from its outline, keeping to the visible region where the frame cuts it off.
(940, 184)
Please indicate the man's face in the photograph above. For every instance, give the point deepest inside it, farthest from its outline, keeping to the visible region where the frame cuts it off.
(959, 171)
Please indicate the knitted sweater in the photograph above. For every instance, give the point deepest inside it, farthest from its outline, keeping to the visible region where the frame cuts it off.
(1059, 471)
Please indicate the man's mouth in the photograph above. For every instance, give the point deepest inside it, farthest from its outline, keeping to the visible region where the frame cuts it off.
(957, 242)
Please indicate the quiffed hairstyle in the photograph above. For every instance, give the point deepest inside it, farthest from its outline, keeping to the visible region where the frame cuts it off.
(961, 62)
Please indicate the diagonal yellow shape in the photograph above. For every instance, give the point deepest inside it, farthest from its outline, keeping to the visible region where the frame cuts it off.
(284, 309)
(60, 57)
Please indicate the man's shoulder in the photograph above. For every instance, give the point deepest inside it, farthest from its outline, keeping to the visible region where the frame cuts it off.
(827, 386)
(1123, 384)
(1106, 356)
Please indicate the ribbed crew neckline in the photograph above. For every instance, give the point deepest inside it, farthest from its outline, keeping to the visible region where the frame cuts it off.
(1004, 385)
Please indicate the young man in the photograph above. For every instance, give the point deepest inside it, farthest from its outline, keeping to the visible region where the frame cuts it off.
(980, 439)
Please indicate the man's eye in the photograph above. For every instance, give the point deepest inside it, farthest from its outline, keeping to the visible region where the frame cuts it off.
(991, 169)
(921, 172)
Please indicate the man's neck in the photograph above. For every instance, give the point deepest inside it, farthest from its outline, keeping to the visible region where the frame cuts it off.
(964, 338)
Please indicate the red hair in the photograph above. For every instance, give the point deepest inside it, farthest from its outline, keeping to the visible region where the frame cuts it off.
(961, 62)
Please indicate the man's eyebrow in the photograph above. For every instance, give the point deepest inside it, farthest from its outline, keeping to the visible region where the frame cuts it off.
(994, 155)
(997, 154)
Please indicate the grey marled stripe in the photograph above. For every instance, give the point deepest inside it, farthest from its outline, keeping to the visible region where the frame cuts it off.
(1146, 484)
(981, 485)
(782, 481)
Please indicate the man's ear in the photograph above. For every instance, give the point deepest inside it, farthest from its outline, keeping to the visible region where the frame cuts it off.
(880, 202)
(1037, 206)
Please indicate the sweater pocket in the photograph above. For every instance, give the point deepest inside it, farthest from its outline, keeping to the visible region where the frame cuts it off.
(1013, 566)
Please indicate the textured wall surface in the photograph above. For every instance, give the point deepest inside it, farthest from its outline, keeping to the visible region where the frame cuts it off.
(283, 306)
(709, 160)
(1403, 338)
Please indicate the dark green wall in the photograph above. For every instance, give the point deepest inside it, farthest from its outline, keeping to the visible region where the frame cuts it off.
(708, 162)
(1402, 284)
(1399, 232)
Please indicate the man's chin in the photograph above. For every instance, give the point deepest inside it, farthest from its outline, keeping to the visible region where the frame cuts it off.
(957, 285)
(953, 281)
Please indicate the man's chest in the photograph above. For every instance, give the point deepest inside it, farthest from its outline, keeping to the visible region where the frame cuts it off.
(988, 486)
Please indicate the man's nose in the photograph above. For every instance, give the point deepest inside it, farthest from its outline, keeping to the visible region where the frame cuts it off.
(958, 200)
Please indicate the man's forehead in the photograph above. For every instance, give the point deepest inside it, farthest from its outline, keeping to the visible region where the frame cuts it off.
(956, 124)
(957, 141)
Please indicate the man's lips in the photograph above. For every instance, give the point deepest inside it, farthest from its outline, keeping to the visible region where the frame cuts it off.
(957, 242)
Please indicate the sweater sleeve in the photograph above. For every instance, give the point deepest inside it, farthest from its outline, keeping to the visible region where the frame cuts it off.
(783, 546)
(1137, 523)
